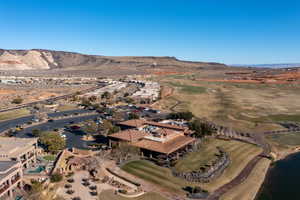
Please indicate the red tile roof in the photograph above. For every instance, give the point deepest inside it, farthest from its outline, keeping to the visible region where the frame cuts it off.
(166, 147)
(129, 135)
(134, 123)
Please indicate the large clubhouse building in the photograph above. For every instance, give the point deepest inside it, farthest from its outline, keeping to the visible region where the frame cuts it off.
(16, 154)
(154, 138)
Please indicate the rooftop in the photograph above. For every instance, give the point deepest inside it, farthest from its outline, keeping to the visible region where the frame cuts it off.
(166, 147)
(13, 146)
(134, 123)
(165, 125)
(7, 167)
(129, 135)
(141, 122)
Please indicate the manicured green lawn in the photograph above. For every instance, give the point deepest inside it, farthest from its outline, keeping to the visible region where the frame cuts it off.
(14, 114)
(50, 157)
(109, 195)
(240, 154)
(155, 174)
(208, 150)
(194, 160)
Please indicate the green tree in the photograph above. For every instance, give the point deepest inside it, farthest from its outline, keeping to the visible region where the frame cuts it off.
(106, 95)
(85, 102)
(56, 177)
(113, 129)
(201, 128)
(133, 116)
(181, 115)
(92, 98)
(90, 127)
(123, 151)
(36, 132)
(17, 100)
(108, 128)
(36, 187)
(129, 100)
(52, 141)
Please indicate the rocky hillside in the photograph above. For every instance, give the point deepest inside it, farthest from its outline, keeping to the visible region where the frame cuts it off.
(39, 59)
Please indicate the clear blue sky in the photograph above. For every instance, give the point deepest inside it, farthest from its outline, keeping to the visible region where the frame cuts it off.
(229, 31)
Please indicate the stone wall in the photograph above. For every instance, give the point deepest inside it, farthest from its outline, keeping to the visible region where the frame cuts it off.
(214, 171)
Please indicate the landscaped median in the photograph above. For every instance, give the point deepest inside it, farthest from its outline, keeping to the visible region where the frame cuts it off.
(8, 115)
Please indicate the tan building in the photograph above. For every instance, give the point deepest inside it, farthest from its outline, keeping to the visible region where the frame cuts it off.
(11, 175)
(18, 149)
(16, 154)
(154, 138)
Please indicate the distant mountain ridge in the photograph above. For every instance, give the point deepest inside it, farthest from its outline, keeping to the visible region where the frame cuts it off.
(276, 65)
(41, 59)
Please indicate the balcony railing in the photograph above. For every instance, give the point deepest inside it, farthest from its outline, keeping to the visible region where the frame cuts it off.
(15, 180)
(3, 189)
(30, 155)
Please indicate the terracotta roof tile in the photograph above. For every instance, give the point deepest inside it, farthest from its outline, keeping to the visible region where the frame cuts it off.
(129, 135)
(166, 147)
(134, 123)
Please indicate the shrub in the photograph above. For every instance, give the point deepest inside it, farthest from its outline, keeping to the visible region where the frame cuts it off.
(56, 177)
(18, 100)
(181, 115)
(133, 116)
(36, 132)
(123, 191)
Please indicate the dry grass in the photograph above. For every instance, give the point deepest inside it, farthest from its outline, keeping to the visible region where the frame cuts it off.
(14, 114)
(249, 188)
(286, 140)
(246, 107)
(66, 107)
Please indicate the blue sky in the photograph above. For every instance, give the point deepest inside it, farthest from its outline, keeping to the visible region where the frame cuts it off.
(229, 31)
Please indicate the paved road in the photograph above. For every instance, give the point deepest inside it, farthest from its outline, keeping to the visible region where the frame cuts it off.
(5, 125)
(52, 99)
(243, 175)
(236, 181)
(73, 140)
(69, 112)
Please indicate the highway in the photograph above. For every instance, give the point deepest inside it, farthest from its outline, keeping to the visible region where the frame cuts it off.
(52, 99)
